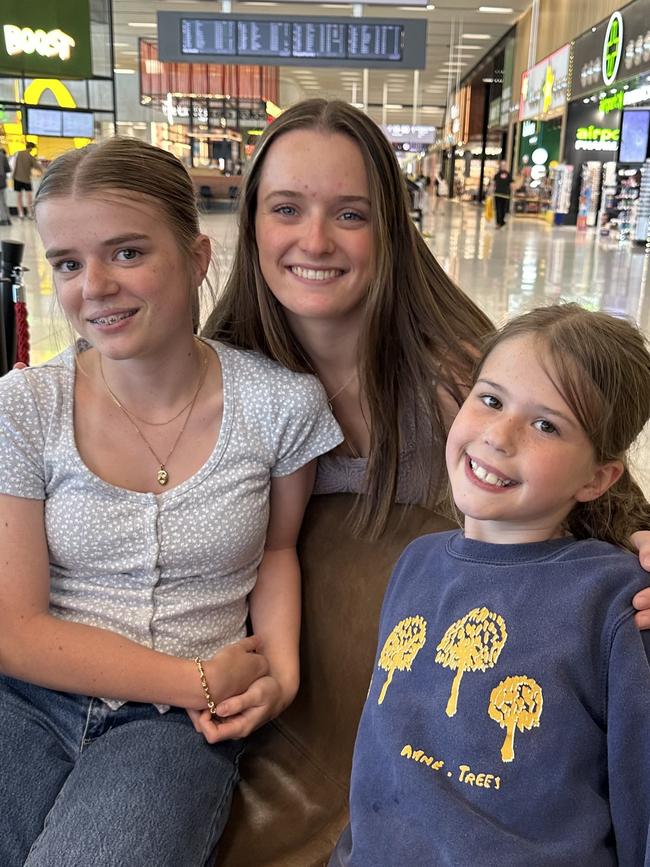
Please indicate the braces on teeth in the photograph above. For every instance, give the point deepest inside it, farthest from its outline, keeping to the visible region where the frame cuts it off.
(111, 320)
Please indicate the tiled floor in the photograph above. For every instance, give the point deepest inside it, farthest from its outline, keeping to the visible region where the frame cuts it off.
(526, 264)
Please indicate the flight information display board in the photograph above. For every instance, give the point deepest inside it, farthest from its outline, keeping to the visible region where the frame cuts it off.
(299, 41)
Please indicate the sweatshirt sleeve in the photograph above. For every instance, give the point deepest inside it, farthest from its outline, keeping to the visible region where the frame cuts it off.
(628, 741)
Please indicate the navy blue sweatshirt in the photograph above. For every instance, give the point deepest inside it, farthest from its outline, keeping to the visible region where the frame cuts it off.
(508, 717)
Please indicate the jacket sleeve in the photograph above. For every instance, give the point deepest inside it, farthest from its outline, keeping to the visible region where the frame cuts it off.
(628, 741)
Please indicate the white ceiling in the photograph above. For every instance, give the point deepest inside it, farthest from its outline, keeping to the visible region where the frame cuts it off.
(450, 18)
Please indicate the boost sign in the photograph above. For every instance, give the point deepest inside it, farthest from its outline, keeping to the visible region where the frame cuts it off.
(42, 38)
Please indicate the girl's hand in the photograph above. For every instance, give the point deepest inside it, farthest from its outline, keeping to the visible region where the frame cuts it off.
(641, 540)
(233, 669)
(241, 714)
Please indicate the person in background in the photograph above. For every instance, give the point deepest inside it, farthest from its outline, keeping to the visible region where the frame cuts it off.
(5, 168)
(25, 163)
(502, 186)
(509, 710)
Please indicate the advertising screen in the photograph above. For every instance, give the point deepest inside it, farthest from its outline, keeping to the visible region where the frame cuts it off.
(44, 121)
(53, 122)
(634, 136)
(78, 124)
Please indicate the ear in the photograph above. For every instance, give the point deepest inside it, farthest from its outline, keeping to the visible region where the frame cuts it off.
(201, 257)
(604, 477)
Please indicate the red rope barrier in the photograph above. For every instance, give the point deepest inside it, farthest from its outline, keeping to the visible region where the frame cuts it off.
(22, 332)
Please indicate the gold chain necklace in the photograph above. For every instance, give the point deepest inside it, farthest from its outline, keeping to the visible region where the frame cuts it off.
(163, 475)
(332, 397)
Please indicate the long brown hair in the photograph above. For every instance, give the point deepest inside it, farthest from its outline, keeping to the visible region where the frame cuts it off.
(419, 331)
(137, 170)
(601, 366)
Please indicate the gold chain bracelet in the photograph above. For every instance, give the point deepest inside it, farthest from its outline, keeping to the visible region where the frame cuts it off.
(206, 691)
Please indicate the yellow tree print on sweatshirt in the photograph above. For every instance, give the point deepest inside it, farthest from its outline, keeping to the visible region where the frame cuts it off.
(516, 703)
(472, 643)
(400, 648)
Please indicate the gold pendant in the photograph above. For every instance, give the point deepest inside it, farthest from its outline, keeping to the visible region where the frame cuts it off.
(163, 476)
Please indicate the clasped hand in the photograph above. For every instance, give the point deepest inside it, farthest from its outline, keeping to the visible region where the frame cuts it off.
(252, 696)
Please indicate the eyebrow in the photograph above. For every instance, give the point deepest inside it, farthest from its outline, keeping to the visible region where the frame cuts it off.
(546, 410)
(55, 252)
(293, 194)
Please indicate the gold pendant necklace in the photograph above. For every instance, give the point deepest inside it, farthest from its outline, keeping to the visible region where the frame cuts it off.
(162, 475)
(331, 398)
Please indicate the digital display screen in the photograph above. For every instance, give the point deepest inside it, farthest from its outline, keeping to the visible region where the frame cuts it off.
(78, 124)
(43, 121)
(208, 36)
(634, 136)
(264, 37)
(53, 122)
(286, 39)
(319, 40)
(375, 42)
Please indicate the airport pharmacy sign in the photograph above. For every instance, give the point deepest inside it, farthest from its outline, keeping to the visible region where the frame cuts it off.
(617, 49)
(596, 138)
(45, 38)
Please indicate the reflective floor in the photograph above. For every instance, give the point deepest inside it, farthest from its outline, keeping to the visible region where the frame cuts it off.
(526, 264)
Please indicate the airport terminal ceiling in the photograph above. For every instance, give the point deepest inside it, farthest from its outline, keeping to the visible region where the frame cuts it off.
(458, 36)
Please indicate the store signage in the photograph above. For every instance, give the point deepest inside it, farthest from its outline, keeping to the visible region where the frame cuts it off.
(615, 50)
(596, 138)
(494, 114)
(19, 40)
(623, 98)
(544, 86)
(529, 127)
(44, 38)
(506, 92)
(411, 133)
(612, 48)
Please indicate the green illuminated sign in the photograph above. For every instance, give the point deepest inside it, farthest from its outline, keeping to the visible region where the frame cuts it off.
(597, 133)
(41, 38)
(612, 47)
(611, 103)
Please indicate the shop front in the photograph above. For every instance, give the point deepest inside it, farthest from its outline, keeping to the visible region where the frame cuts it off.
(542, 115)
(608, 125)
(209, 115)
(55, 91)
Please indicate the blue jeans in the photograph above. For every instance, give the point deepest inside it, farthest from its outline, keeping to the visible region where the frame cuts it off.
(83, 785)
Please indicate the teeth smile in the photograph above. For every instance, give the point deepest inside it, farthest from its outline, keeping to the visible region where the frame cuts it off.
(310, 274)
(111, 320)
(489, 478)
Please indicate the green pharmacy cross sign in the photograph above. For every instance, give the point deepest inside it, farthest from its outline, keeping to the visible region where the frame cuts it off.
(612, 48)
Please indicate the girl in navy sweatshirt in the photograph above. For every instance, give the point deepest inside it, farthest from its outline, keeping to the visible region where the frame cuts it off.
(508, 718)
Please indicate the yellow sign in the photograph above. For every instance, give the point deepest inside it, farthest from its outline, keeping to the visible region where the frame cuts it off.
(547, 89)
(24, 40)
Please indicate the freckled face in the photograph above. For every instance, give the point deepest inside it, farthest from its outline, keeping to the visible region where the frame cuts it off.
(119, 273)
(313, 225)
